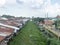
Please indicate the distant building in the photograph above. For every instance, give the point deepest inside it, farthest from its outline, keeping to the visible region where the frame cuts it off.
(48, 22)
(57, 16)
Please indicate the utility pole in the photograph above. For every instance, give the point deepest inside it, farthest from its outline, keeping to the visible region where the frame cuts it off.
(47, 15)
(58, 28)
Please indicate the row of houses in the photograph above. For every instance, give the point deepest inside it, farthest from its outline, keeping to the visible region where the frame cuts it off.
(49, 25)
(9, 28)
(49, 22)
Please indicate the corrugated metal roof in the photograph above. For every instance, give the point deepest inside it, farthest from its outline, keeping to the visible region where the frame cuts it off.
(9, 26)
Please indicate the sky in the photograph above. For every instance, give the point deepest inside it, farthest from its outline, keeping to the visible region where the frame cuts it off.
(29, 8)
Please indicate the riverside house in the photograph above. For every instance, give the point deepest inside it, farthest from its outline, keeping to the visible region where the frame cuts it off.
(5, 35)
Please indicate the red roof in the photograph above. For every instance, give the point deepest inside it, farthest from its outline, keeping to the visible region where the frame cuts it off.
(4, 29)
(48, 22)
(2, 38)
(12, 23)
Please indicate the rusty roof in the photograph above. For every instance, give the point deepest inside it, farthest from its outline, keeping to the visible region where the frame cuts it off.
(2, 38)
(6, 29)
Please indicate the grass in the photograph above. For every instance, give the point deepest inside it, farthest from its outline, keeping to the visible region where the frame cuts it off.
(29, 35)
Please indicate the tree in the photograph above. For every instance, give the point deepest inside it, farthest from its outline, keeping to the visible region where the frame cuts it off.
(57, 24)
(7, 16)
(39, 19)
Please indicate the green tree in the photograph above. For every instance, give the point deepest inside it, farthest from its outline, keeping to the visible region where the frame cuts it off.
(7, 16)
(57, 23)
(39, 19)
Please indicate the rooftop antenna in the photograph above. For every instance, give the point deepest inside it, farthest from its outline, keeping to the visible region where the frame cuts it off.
(46, 16)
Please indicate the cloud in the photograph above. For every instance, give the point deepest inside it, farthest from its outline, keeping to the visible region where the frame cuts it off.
(36, 4)
(53, 9)
(11, 1)
(2, 2)
(31, 3)
(32, 7)
(19, 1)
(48, 7)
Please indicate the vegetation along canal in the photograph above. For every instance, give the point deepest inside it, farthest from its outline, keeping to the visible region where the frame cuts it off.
(29, 35)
